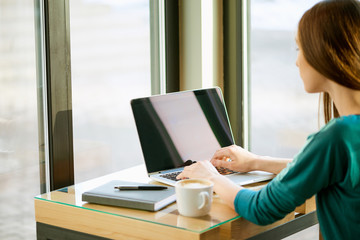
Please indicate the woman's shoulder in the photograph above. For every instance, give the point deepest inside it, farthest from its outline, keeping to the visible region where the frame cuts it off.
(342, 126)
(339, 131)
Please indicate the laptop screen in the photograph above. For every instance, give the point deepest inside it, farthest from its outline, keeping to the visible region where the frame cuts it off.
(177, 127)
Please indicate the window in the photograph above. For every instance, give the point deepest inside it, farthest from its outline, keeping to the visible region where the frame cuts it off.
(110, 63)
(282, 113)
(19, 151)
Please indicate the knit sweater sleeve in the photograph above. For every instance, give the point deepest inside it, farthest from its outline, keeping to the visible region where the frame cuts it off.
(315, 167)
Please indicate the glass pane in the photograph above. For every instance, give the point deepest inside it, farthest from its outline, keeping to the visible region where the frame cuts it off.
(282, 113)
(110, 50)
(19, 155)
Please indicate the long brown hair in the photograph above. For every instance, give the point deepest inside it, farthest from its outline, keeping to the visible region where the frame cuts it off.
(329, 35)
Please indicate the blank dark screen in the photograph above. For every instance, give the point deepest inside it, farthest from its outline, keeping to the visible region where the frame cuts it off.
(182, 126)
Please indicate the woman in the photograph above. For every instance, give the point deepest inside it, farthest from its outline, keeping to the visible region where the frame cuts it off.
(329, 164)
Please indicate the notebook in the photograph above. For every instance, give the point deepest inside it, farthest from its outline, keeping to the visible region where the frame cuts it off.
(178, 129)
(151, 200)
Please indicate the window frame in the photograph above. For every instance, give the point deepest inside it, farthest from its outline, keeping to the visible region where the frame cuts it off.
(54, 94)
(236, 67)
(52, 25)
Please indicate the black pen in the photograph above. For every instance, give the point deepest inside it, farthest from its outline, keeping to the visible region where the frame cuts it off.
(140, 187)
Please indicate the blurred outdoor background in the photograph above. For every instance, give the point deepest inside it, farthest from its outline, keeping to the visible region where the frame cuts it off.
(110, 56)
(282, 113)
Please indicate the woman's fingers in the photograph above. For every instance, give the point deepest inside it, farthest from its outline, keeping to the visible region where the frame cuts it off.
(221, 163)
(221, 154)
(184, 173)
(201, 169)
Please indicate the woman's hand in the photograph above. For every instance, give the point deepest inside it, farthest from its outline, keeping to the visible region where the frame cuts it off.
(201, 169)
(223, 186)
(234, 158)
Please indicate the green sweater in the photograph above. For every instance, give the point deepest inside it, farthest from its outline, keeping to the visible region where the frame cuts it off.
(328, 166)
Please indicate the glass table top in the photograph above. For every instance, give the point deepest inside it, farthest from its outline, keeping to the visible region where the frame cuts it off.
(220, 213)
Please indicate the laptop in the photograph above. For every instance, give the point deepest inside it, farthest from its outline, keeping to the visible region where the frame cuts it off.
(178, 129)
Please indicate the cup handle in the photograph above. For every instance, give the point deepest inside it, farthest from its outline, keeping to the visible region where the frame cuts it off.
(205, 199)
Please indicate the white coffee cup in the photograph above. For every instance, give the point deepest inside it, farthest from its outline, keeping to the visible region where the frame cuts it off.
(194, 197)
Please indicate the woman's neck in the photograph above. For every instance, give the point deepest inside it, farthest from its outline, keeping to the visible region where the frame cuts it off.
(347, 101)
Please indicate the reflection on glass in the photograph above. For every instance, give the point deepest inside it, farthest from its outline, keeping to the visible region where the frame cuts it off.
(110, 57)
(178, 127)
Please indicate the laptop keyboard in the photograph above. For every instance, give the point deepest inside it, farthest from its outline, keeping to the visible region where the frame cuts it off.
(225, 171)
(173, 175)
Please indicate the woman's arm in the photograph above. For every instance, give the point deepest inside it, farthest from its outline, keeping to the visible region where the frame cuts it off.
(241, 161)
(226, 189)
(245, 161)
(270, 164)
